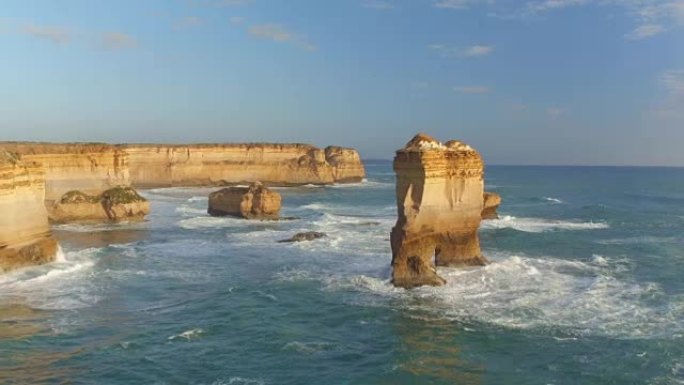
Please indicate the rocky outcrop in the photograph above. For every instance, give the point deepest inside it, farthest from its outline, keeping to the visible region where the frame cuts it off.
(303, 237)
(117, 204)
(253, 202)
(153, 165)
(439, 201)
(25, 237)
(86, 167)
(345, 163)
(491, 203)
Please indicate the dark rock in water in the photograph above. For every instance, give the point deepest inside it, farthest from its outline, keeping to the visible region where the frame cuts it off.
(301, 237)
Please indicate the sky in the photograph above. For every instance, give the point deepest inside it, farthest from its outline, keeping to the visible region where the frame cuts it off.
(576, 82)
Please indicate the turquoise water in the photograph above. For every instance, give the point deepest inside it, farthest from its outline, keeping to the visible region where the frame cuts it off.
(585, 287)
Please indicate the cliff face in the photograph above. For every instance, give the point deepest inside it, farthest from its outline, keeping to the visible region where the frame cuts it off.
(221, 164)
(25, 237)
(94, 168)
(439, 201)
(90, 168)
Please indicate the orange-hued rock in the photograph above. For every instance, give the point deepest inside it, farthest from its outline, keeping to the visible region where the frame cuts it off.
(491, 203)
(94, 168)
(158, 165)
(253, 202)
(25, 237)
(346, 164)
(117, 204)
(439, 200)
(89, 168)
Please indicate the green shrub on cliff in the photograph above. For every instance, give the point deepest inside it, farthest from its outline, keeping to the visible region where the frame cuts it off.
(121, 195)
(76, 196)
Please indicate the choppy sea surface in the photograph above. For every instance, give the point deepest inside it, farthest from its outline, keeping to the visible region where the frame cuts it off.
(586, 286)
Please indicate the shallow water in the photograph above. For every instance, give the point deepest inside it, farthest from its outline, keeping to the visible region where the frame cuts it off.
(584, 288)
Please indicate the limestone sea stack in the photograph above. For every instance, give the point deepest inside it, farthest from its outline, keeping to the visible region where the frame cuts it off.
(25, 237)
(114, 205)
(491, 203)
(253, 202)
(439, 202)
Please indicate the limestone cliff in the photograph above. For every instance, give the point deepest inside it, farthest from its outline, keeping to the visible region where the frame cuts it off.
(25, 237)
(253, 202)
(89, 168)
(117, 204)
(492, 201)
(93, 168)
(439, 201)
(153, 165)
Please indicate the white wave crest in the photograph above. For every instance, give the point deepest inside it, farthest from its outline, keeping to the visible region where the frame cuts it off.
(65, 284)
(211, 222)
(538, 225)
(554, 200)
(572, 297)
(188, 334)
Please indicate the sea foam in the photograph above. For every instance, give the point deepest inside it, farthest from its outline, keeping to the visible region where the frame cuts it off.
(538, 225)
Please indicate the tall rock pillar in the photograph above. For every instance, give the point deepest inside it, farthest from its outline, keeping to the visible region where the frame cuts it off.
(439, 202)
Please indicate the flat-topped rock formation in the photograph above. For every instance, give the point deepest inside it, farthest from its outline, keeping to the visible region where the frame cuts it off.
(25, 237)
(153, 165)
(492, 201)
(439, 201)
(113, 205)
(93, 168)
(253, 202)
(87, 167)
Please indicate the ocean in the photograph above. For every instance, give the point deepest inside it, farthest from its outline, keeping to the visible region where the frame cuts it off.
(584, 287)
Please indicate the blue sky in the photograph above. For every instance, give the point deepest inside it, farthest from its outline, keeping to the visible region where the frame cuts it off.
(525, 82)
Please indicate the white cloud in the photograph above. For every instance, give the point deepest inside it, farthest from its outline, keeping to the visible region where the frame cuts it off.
(459, 4)
(279, 33)
(444, 50)
(473, 89)
(519, 107)
(672, 107)
(650, 17)
(549, 5)
(645, 31)
(187, 22)
(117, 41)
(56, 35)
(377, 4)
(478, 50)
(554, 112)
(673, 81)
(217, 3)
(236, 20)
(420, 85)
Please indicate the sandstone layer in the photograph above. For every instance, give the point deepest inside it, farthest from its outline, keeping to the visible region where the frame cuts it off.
(253, 202)
(25, 237)
(439, 201)
(491, 203)
(93, 168)
(86, 167)
(228, 164)
(117, 204)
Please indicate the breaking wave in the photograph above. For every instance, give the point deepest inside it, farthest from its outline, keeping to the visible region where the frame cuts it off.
(538, 225)
(567, 298)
